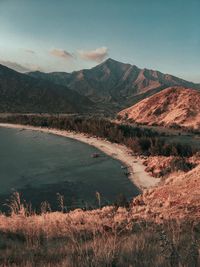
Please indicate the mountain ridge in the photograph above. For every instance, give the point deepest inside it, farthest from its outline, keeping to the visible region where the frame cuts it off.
(107, 88)
(114, 83)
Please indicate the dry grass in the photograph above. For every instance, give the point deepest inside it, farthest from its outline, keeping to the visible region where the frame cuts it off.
(162, 166)
(105, 237)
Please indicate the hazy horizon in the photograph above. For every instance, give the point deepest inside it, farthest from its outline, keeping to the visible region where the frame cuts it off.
(73, 35)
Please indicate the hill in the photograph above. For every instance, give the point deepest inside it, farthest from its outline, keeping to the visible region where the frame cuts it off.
(173, 106)
(22, 93)
(113, 84)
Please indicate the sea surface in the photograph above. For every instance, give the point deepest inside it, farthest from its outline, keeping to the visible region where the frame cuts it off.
(40, 165)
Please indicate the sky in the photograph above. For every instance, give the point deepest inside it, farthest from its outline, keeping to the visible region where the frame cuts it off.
(68, 35)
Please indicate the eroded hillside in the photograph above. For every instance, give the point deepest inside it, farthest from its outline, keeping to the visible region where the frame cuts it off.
(173, 106)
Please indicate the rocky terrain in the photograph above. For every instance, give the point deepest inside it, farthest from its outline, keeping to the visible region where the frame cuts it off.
(162, 166)
(174, 106)
(178, 197)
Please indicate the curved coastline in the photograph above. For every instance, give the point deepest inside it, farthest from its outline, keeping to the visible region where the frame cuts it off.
(138, 176)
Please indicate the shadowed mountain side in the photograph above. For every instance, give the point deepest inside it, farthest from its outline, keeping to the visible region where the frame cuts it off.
(22, 93)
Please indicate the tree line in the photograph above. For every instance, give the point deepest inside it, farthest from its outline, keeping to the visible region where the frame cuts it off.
(141, 140)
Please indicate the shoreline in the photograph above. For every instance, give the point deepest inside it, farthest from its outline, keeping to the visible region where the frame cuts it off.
(138, 176)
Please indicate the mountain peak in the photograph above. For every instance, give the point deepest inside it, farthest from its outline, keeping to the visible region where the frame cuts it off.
(114, 84)
(112, 66)
(111, 61)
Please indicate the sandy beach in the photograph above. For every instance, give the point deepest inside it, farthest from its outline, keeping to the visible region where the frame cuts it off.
(137, 175)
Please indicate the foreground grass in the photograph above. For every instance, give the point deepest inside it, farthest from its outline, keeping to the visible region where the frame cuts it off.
(147, 246)
(99, 238)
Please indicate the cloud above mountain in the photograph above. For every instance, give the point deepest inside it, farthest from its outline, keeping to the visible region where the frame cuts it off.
(97, 55)
(20, 68)
(30, 51)
(60, 53)
(14, 65)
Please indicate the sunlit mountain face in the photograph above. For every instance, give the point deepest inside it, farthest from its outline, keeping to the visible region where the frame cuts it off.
(174, 106)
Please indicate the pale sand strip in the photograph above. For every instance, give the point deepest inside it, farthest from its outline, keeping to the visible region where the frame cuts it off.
(138, 175)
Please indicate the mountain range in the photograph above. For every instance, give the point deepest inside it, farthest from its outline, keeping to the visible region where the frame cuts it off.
(107, 88)
(115, 84)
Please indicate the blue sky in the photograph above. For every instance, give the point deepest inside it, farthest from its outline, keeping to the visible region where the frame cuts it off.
(66, 35)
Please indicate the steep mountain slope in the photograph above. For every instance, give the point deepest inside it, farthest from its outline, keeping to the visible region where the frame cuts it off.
(22, 93)
(114, 83)
(174, 105)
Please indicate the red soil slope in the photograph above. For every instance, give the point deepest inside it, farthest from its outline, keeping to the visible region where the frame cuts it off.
(174, 105)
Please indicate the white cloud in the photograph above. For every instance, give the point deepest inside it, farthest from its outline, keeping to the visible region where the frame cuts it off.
(61, 54)
(97, 55)
(34, 67)
(30, 51)
(20, 68)
(14, 65)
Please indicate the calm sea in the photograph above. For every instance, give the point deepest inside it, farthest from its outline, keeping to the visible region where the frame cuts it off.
(40, 165)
